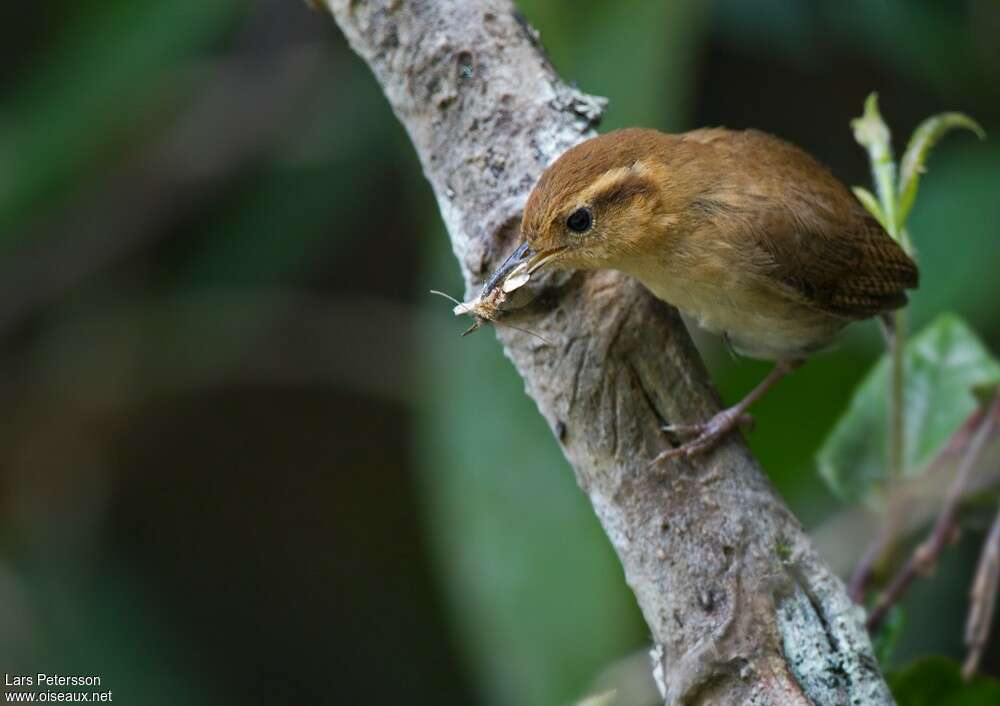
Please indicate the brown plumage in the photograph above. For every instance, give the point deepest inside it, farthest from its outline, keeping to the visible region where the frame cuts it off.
(742, 231)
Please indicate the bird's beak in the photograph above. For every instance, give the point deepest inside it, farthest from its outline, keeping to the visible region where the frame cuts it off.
(522, 257)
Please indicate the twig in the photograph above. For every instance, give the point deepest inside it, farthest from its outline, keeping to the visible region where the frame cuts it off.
(872, 133)
(983, 600)
(865, 569)
(927, 553)
(882, 545)
(879, 548)
(897, 441)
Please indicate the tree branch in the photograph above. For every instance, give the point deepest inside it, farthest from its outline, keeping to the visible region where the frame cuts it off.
(741, 608)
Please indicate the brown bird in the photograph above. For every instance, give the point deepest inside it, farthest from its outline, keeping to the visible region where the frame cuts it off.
(743, 232)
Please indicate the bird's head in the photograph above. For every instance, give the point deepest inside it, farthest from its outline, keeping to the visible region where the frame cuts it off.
(600, 205)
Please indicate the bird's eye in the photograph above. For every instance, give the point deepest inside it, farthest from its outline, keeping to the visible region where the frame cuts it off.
(580, 220)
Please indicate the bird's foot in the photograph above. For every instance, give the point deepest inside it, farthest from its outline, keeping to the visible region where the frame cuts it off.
(706, 435)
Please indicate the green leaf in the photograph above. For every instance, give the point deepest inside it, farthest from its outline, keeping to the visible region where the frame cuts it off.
(937, 681)
(942, 365)
(872, 133)
(923, 139)
(869, 201)
(870, 130)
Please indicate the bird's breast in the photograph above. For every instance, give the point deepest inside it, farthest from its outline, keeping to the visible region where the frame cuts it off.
(759, 319)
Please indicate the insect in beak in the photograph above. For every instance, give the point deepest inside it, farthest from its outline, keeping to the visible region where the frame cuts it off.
(518, 268)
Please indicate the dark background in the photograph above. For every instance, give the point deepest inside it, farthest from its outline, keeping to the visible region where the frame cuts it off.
(244, 456)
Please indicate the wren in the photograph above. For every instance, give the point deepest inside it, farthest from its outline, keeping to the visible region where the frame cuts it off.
(743, 232)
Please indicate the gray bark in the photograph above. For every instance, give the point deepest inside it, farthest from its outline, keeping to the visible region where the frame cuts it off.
(741, 608)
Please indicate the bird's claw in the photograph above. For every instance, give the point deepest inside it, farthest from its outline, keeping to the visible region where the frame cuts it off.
(706, 434)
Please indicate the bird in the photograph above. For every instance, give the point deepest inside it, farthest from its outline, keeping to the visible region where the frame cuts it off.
(745, 233)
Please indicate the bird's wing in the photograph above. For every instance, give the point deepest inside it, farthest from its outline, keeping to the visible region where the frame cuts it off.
(810, 235)
(856, 272)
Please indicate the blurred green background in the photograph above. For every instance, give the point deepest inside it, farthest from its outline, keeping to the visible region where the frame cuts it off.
(246, 459)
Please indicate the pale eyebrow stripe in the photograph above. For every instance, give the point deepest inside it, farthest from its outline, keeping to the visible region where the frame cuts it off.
(604, 182)
(620, 185)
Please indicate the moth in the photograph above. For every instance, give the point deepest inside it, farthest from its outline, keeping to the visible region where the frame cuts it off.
(496, 293)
